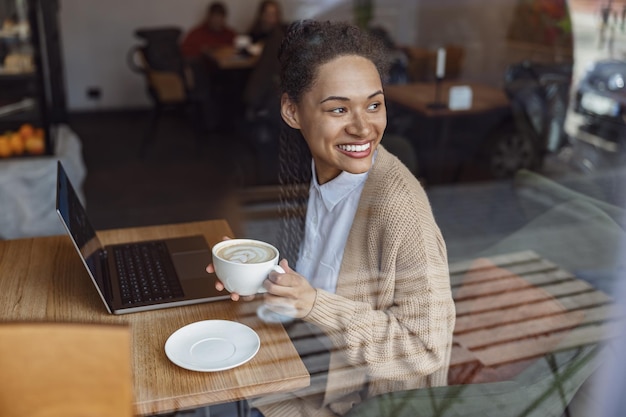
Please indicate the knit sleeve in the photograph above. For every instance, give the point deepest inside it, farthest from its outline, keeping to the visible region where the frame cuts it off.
(394, 313)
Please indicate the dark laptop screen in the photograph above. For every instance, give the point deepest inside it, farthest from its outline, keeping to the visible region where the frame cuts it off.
(83, 234)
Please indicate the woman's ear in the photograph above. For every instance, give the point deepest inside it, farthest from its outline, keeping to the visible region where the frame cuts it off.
(288, 110)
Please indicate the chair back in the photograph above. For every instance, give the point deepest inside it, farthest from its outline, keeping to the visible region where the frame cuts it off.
(162, 49)
(421, 65)
(455, 57)
(65, 370)
(160, 60)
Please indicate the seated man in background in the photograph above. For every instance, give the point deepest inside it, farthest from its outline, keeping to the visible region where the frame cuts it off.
(212, 33)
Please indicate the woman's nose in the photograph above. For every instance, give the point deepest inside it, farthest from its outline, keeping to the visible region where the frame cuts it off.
(359, 125)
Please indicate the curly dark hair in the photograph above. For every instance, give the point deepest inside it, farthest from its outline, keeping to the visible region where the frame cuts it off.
(309, 44)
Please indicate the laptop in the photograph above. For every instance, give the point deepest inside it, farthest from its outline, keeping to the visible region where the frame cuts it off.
(137, 276)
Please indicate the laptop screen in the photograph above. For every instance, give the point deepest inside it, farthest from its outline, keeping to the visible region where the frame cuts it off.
(81, 231)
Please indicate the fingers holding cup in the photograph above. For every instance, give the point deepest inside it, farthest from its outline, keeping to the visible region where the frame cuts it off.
(242, 265)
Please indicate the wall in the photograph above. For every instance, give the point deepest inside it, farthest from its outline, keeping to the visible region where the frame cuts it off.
(482, 28)
(97, 35)
(479, 26)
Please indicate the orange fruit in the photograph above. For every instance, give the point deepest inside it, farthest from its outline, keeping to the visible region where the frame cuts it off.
(26, 130)
(35, 145)
(5, 147)
(17, 143)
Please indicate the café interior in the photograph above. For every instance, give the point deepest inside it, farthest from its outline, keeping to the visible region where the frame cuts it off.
(523, 168)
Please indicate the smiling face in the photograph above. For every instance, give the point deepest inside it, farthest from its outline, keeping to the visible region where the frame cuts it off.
(342, 116)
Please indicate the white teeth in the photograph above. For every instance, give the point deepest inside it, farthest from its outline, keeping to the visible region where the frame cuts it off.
(355, 148)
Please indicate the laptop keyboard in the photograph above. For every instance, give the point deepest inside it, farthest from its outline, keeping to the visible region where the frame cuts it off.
(146, 273)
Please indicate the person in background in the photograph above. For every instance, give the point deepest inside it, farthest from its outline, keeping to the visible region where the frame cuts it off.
(268, 18)
(261, 92)
(261, 97)
(605, 17)
(367, 274)
(212, 33)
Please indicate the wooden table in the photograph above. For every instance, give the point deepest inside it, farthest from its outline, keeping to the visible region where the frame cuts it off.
(430, 128)
(514, 308)
(228, 58)
(417, 97)
(44, 279)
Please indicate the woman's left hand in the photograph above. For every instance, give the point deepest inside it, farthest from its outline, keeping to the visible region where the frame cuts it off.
(289, 293)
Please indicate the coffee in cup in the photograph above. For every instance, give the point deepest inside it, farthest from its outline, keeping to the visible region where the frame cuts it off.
(243, 264)
(247, 253)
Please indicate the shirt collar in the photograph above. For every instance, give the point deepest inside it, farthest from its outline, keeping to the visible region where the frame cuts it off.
(338, 188)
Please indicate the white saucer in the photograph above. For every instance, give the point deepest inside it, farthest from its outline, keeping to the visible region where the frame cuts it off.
(212, 345)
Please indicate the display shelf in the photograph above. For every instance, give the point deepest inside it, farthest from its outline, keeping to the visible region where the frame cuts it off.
(32, 86)
(24, 108)
(11, 77)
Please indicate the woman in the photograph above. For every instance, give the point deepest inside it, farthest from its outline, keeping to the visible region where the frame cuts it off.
(268, 19)
(371, 272)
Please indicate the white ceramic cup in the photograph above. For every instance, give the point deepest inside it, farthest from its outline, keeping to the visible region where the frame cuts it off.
(242, 41)
(243, 273)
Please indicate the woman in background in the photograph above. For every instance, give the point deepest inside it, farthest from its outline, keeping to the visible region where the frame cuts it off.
(268, 18)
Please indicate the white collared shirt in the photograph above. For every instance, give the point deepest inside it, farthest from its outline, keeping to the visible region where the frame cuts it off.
(330, 212)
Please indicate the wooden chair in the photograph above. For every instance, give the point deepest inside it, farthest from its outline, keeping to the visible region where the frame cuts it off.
(172, 82)
(541, 391)
(421, 65)
(524, 344)
(455, 56)
(65, 370)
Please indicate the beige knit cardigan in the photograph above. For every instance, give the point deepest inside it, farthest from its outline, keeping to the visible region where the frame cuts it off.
(392, 316)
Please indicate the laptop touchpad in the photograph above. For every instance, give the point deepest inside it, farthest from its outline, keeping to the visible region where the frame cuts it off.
(191, 265)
